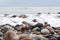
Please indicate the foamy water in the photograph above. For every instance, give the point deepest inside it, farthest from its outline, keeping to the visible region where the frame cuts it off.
(31, 12)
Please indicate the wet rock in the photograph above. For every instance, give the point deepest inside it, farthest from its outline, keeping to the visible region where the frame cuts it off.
(58, 16)
(24, 22)
(36, 29)
(18, 25)
(34, 20)
(49, 13)
(6, 15)
(14, 16)
(58, 13)
(38, 14)
(40, 25)
(28, 25)
(23, 16)
(58, 38)
(46, 24)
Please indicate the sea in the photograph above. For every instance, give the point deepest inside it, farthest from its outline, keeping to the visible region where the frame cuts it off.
(48, 14)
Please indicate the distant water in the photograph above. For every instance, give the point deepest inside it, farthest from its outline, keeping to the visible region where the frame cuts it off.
(28, 10)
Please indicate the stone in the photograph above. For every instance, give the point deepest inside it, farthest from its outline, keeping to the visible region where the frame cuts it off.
(36, 29)
(40, 25)
(45, 31)
(25, 37)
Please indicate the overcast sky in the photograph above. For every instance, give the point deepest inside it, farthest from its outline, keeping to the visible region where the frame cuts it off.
(30, 3)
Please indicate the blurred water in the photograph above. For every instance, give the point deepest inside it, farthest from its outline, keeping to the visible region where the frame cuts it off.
(28, 10)
(52, 18)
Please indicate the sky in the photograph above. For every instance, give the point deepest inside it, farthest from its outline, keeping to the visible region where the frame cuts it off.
(30, 3)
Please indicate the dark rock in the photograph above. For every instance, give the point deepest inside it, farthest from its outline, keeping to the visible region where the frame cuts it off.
(49, 13)
(14, 16)
(58, 13)
(4, 30)
(37, 38)
(34, 20)
(39, 13)
(58, 38)
(39, 25)
(46, 24)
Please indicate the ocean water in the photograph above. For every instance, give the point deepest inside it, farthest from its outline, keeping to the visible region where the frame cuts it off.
(28, 10)
(53, 18)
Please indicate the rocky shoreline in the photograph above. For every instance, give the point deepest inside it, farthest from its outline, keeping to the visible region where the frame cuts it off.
(29, 27)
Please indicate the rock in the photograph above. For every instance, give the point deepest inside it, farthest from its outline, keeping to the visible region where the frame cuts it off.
(1, 34)
(34, 20)
(50, 29)
(11, 35)
(38, 14)
(23, 28)
(23, 16)
(25, 37)
(53, 38)
(8, 26)
(37, 33)
(4, 30)
(56, 35)
(37, 38)
(34, 36)
(1, 38)
(45, 31)
(46, 24)
(58, 13)
(58, 16)
(36, 29)
(14, 16)
(6, 15)
(40, 25)
(58, 38)
(18, 27)
(49, 13)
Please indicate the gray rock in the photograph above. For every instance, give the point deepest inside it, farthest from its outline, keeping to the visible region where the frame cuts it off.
(36, 29)
(45, 31)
